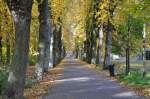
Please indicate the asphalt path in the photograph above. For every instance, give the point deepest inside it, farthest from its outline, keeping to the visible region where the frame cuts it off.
(80, 82)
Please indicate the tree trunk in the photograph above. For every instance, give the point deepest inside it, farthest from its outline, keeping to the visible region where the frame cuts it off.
(1, 44)
(44, 39)
(107, 59)
(93, 46)
(62, 51)
(100, 45)
(1, 51)
(57, 44)
(8, 49)
(55, 49)
(88, 50)
(21, 11)
(51, 52)
(128, 51)
(84, 50)
(127, 60)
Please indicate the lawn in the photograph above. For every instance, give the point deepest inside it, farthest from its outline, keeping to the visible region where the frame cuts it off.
(135, 79)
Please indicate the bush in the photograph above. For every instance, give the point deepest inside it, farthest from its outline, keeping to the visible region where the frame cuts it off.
(32, 60)
(99, 66)
(119, 68)
(29, 82)
(3, 80)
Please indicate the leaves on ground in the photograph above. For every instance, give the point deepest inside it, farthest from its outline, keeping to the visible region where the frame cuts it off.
(41, 87)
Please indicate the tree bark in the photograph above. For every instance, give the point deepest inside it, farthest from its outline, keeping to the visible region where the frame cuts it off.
(100, 45)
(51, 52)
(88, 50)
(21, 12)
(44, 39)
(127, 60)
(1, 56)
(93, 46)
(8, 49)
(62, 51)
(57, 44)
(128, 50)
(107, 59)
(1, 51)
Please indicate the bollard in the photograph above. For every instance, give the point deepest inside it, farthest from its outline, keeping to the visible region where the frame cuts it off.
(111, 70)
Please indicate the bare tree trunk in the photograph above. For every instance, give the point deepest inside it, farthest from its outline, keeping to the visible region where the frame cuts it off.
(107, 59)
(93, 46)
(8, 49)
(1, 44)
(51, 52)
(21, 11)
(100, 45)
(55, 49)
(127, 60)
(1, 51)
(44, 39)
(88, 50)
(128, 51)
(57, 44)
(62, 50)
(84, 50)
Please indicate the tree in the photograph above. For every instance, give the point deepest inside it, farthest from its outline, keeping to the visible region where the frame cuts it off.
(111, 5)
(89, 29)
(57, 35)
(129, 28)
(21, 13)
(57, 18)
(100, 45)
(5, 21)
(130, 38)
(44, 39)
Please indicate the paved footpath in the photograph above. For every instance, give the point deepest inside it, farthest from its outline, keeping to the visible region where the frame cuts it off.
(80, 82)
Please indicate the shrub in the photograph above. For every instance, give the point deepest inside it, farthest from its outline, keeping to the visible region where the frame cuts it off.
(3, 80)
(29, 82)
(119, 68)
(135, 78)
(32, 60)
